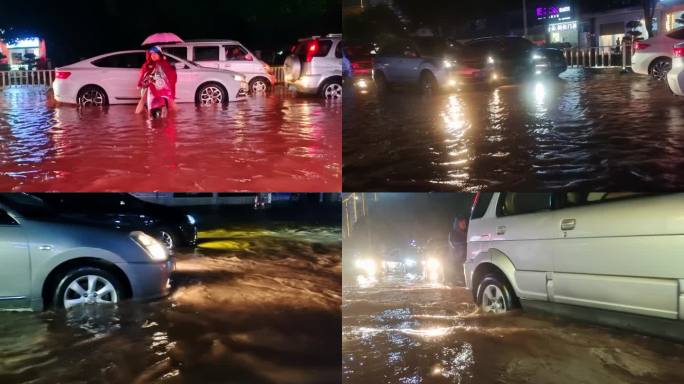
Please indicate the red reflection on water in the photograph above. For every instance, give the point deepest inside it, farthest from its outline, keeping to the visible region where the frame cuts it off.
(272, 143)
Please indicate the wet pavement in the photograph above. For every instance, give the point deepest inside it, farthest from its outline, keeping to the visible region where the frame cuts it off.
(592, 130)
(409, 332)
(252, 304)
(277, 143)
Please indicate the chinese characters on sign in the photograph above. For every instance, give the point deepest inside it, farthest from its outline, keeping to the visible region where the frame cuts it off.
(560, 27)
(554, 13)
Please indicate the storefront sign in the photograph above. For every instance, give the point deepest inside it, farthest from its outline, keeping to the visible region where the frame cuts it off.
(33, 42)
(561, 27)
(561, 13)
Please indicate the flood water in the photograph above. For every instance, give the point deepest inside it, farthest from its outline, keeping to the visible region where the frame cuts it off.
(251, 304)
(600, 130)
(277, 143)
(408, 332)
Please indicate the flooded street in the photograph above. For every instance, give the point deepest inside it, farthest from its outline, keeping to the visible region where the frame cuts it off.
(252, 303)
(276, 143)
(409, 332)
(601, 130)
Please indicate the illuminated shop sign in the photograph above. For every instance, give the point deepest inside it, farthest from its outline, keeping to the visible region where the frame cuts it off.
(561, 27)
(554, 13)
(32, 42)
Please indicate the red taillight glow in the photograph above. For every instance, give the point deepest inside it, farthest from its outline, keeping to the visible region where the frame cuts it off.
(62, 75)
(678, 52)
(311, 50)
(640, 45)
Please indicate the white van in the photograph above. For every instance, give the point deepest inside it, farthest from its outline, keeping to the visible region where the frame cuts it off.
(615, 258)
(226, 54)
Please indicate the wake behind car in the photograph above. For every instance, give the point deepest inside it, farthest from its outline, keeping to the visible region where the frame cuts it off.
(315, 66)
(429, 64)
(610, 257)
(226, 54)
(112, 79)
(51, 261)
(171, 226)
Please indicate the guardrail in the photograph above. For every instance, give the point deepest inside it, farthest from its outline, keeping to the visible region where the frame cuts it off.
(599, 57)
(46, 77)
(16, 78)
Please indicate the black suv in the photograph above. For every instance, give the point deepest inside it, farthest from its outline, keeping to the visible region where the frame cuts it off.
(513, 57)
(172, 226)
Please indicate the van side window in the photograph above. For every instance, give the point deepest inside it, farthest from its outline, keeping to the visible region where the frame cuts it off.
(181, 52)
(481, 204)
(6, 219)
(514, 203)
(237, 53)
(206, 53)
(576, 199)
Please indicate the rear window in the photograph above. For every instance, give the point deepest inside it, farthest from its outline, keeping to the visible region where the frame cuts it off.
(181, 52)
(514, 203)
(206, 53)
(481, 204)
(323, 48)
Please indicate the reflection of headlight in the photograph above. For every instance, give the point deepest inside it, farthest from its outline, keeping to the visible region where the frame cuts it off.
(153, 247)
(366, 265)
(490, 60)
(410, 262)
(537, 56)
(239, 78)
(191, 219)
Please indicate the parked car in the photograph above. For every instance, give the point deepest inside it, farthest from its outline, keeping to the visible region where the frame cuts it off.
(112, 79)
(358, 64)
(653, 56)
(170, 225)
(605, 256)
(675, 77)
(315, 66)
(429, 64)
(51, 261)
(511, 57)
(226, 54)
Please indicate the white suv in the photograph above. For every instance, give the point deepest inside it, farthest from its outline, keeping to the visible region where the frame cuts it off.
(315, 66)
(611, 257)
(226, 54)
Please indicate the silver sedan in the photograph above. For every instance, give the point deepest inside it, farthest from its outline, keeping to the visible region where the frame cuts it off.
(48, 261)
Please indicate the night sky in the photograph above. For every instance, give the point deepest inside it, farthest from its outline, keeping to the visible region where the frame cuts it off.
(77, 29)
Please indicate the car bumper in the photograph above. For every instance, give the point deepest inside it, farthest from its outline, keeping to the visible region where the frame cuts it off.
(149, 280)
(64, 91)
(675, 79)
(641, 62)
(468, 268)
(307, 84)
(477, 75)
(188, 234)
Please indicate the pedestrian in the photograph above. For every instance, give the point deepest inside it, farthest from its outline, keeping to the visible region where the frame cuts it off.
(157, 83)
(458, 239)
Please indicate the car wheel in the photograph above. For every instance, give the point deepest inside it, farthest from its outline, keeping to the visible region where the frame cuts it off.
(87, 286)
(259, 85)
(211, 94)
(332, 90)
(428, 83)
(494, 295)
(167, 238)
(92, 96)
(660, 68)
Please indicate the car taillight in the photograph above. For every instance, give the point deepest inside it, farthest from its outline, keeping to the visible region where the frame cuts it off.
(639, 45)
(311, 50)
(62, 75)
(678, 52)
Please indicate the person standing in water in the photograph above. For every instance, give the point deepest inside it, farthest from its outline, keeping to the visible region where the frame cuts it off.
(158, 83)
(458, 238)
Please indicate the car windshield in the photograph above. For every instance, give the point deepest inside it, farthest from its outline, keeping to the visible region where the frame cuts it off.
(26, 205)
(436, 47)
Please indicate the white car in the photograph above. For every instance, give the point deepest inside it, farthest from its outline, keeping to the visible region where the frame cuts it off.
(675, 78)
(113, 78)
(654, 56)
(609, 257)
(226, 54)
(315, 66)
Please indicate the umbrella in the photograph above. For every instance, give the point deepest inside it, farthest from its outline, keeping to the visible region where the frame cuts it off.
(162, 38)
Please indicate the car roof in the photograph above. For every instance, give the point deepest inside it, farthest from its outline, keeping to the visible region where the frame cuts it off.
(200, 41)
(90, 60)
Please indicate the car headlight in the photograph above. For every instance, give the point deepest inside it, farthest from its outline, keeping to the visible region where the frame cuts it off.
(448, 64)
(239, 78)
(153, 247)
(537, 56)
(433, 264)
(191, 219)
(410, 262)
(490, 60)
(368, 266)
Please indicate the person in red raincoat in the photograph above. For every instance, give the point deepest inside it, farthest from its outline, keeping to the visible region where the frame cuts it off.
(158, 82)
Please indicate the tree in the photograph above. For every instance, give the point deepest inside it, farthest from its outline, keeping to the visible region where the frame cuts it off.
(649, 14)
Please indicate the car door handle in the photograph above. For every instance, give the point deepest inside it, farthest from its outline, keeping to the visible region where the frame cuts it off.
(500, 230)
(45, 247)
(568, 224)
